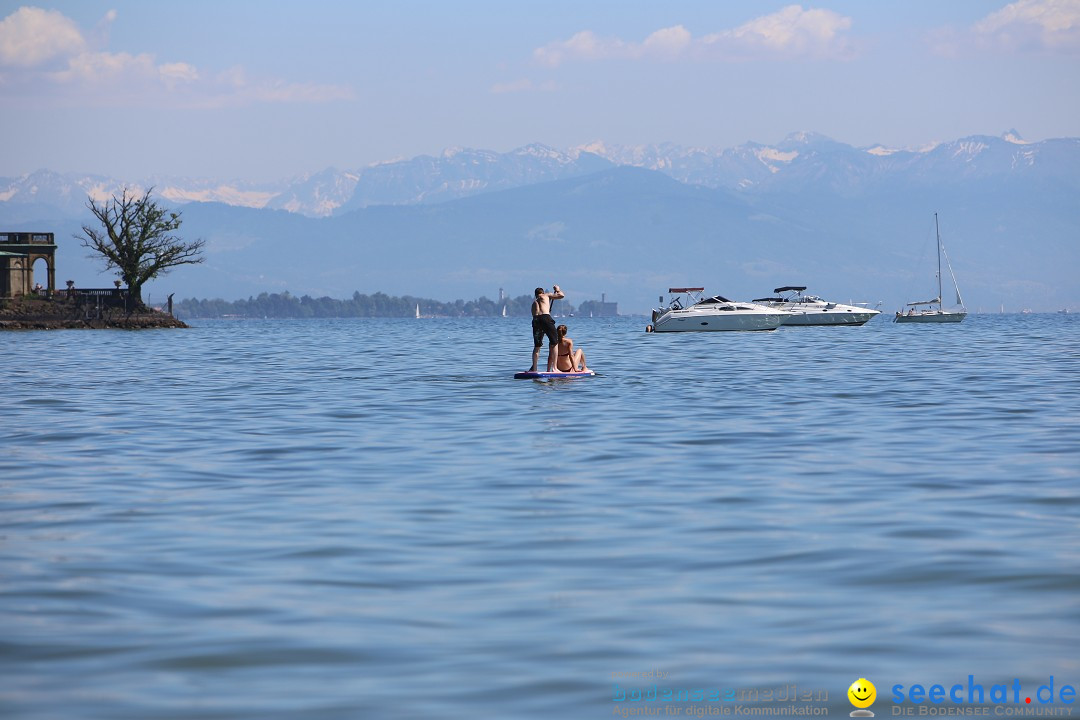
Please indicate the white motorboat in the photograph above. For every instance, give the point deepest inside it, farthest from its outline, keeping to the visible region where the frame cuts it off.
(689, 311)
(812, 310)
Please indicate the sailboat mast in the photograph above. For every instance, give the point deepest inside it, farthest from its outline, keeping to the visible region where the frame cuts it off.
(937, 231)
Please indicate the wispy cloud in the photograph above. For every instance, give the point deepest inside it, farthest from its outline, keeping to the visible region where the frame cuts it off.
(523, 85)
(45, 52)
(1052, 25)
(585, 45)
(277, 91)
(32, 37)
(792, 32)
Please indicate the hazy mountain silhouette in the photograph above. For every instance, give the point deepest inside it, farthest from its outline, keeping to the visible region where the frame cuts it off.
(851, 224)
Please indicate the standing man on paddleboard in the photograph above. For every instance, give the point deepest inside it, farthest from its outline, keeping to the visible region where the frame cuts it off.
(543, 324)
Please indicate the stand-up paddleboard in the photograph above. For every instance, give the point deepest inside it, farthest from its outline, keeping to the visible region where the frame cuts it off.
(538, 375)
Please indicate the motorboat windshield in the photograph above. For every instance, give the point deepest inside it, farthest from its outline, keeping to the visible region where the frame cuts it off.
(790, 294)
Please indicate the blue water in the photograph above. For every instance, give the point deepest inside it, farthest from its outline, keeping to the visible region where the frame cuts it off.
(371, 519)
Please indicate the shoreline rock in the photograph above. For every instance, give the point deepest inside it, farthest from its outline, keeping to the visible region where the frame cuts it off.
(32, 313)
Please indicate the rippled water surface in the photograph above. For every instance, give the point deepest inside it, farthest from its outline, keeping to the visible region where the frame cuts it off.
(371, 519)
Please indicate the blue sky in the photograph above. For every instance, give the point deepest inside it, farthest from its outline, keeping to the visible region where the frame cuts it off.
(268, 90)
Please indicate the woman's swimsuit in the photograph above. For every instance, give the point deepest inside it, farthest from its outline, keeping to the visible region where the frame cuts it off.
(566, 354)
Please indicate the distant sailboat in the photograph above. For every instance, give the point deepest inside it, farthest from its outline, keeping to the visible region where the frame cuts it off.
(939, 315)
(418, 310)
(504, 311)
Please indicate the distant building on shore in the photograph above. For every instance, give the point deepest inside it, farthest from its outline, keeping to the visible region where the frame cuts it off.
(592, 308)
(19, 252)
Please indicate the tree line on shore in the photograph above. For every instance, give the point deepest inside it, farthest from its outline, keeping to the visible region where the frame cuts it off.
(286, 305)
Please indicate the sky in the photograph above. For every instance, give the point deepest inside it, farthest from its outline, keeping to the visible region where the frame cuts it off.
(266, 90)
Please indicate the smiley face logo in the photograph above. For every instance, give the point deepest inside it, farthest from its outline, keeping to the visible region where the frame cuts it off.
(862, 693)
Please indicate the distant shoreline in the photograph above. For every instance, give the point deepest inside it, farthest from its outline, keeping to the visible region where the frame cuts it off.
(286, 305)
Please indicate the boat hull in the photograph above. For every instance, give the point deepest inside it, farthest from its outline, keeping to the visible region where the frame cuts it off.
(931, 317)
(718, 322)
(826, 317)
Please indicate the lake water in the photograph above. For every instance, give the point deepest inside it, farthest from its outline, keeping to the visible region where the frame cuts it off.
(370, 519)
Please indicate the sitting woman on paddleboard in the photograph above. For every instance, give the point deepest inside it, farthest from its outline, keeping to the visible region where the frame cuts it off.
(569, 358)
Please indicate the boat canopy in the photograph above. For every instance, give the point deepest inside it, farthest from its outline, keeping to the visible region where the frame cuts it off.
(769, 299)
(686, 290)
(786, 288)
(935, 301)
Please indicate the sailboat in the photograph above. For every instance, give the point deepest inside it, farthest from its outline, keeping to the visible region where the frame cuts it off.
(916, 314)
(417, 311)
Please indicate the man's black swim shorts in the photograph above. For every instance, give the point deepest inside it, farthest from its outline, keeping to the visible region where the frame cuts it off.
(544, 325)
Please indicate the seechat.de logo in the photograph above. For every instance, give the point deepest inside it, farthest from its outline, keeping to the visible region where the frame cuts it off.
(862, 694)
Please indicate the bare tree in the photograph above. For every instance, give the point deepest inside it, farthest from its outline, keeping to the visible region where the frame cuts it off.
(138, 239)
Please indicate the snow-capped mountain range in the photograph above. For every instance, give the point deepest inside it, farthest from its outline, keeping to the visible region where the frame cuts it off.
(802, 160)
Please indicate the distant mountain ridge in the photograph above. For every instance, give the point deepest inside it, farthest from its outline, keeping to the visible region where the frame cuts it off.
(851, 225)
(802, 160)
